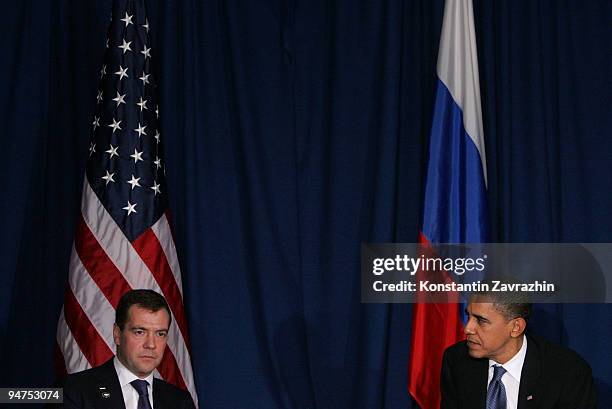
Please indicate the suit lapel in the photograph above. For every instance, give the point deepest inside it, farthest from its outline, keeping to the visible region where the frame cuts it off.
(107, 389)
(482, 375)
(530, 377)
(158, 396)
(476, 383)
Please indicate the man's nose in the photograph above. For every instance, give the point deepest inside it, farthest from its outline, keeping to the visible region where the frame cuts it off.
(150, 341)
(469, 327)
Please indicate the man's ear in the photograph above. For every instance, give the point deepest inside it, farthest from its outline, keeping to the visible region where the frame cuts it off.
(518, 327)
(116, 334)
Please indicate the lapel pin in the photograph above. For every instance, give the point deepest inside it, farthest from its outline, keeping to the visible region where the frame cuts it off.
(103, 392)
(530, 397)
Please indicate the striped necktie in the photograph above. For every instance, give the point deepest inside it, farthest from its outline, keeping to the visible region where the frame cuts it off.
(496, 393)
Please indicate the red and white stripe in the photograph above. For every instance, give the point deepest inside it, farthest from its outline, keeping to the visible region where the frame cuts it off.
(104, 265)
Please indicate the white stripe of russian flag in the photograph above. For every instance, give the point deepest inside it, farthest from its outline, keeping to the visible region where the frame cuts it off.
(458, 69)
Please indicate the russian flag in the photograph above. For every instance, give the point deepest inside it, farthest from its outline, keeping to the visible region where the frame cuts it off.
(455, 207)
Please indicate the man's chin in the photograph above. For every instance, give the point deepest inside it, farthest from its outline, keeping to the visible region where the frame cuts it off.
(146, 367)
(474, 351)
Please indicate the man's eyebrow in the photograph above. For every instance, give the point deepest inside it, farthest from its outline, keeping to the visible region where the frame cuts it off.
(150, 329)
(478, 317)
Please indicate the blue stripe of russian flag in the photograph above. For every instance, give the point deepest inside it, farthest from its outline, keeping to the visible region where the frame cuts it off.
(455, 207)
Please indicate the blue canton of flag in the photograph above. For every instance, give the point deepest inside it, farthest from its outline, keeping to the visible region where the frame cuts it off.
(125, 168)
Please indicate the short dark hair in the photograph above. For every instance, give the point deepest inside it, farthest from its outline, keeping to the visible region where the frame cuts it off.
(514, 310)
(147, 299)
(510, 304)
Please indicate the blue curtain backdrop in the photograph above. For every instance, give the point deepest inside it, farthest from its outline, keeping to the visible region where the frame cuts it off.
(295, 130)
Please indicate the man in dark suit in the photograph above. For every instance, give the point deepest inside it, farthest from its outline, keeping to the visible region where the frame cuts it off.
(126, 381)
(498, 366)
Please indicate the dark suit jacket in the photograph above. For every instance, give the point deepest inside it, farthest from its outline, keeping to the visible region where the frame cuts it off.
(553, 377)
(82, 391)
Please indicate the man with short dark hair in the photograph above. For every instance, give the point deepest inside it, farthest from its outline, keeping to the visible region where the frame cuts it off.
(141, 327)
(498, 366)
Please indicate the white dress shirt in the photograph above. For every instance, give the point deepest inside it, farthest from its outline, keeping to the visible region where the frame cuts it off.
(130, 395)
(512, 378)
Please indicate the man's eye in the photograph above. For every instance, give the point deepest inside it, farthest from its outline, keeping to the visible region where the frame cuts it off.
(162, 334)
(138, 332)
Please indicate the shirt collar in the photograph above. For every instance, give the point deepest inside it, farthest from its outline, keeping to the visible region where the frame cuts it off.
(515, 365)
(126, 376)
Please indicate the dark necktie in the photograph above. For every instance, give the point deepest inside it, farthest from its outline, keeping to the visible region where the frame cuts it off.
(496, 393)
(143, 393)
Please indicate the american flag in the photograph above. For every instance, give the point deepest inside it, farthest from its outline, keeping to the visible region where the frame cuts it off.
(123, 238)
